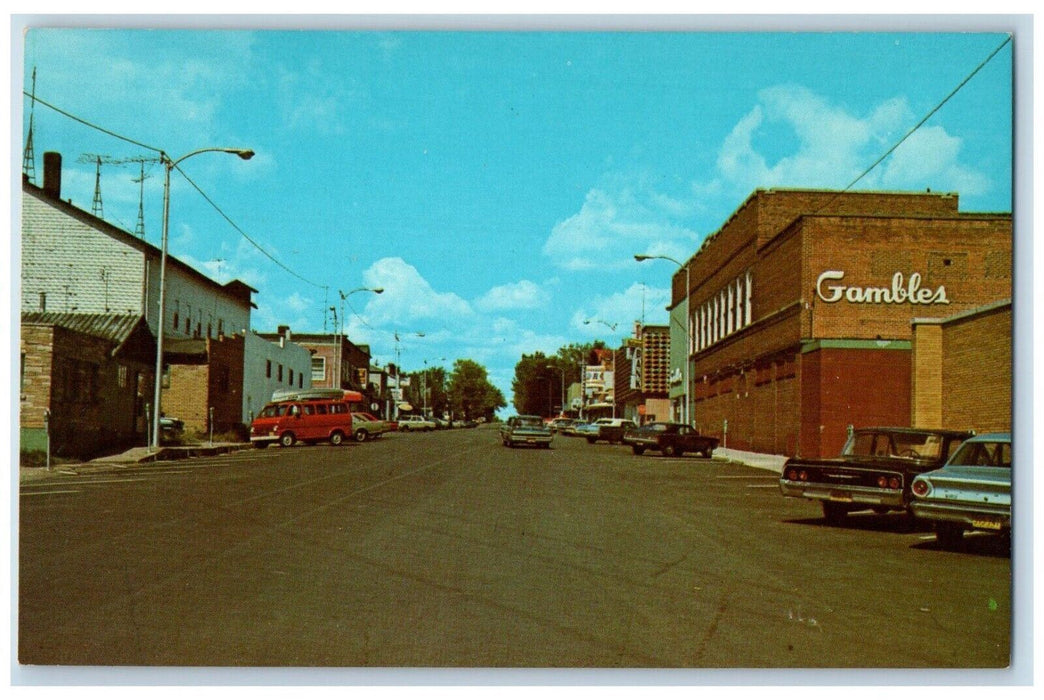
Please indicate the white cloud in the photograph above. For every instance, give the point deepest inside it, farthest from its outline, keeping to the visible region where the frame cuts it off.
(518, 295)
(613, 225)
(408, 298)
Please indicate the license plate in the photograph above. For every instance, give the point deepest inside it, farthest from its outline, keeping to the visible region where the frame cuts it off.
(841, 496)
(987, 524)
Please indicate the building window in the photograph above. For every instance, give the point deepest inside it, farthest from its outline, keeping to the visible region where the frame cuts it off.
(291, 378)
(300, 380)
(43, 301)
(746, 306)
(221, 327)
(318, 369)
(121, 377)
(268, 369)
(280, 373)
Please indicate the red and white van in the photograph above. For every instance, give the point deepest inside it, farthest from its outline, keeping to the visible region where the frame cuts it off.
(302, 418)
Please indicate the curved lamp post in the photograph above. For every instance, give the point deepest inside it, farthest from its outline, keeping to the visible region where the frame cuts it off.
(610, 326)
(340, 327)
(688, 325)
(168, 165)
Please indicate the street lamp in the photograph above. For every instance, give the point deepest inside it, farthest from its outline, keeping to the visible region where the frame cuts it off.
(424, 385)
(562, 371)
(610, 326)
(688, 326)
(398, 368)
(168, 165)
(340, 329)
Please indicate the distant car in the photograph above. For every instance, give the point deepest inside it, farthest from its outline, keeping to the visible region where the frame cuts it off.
(972, 491)
(584, 430)
(367, 426)
(609, 430)
(410, 423)
(558, 425)
(525, 430)
(670, 439)
(171, 427)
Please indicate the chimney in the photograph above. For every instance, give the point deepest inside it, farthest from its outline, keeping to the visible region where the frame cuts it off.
(52, 184)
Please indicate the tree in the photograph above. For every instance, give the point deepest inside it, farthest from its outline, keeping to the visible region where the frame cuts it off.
(431, 381)
(470, 393)
(537, 385)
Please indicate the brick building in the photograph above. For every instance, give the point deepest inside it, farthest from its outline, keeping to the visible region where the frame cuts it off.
(962, 370)
(641, 375)
(89, 374)
(801, 308)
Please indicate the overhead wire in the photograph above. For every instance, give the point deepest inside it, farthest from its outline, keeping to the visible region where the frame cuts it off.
(919, 124)
(198, 189)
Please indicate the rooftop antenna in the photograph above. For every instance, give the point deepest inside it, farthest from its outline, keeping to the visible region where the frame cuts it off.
(96, 205)
(28, 156)
(139, 228)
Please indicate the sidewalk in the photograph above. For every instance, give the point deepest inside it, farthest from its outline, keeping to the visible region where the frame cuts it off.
(757, 460)
(133, 456)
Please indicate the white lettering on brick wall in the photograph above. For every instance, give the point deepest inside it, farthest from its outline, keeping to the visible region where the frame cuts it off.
(902, 291)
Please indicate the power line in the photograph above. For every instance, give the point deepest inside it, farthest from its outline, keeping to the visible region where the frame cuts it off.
(213, 204)
(921, 123)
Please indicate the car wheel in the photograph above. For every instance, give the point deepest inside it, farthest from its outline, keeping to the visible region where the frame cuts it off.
(834, 513)
(638, 450)
(949, 535)
(337, 438)
(287, 439)
(591, 441)
(670, 451)
(360, 435)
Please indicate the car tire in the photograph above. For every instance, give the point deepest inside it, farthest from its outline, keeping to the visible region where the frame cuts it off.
(949, 535)
(361, 435)
(591, 440)
(287, 439)
(834, 513)
(337, 438)
(638, 450)
(669, 451)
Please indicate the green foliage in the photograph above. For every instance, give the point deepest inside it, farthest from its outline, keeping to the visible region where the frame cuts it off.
(470, 393)
(538, 382)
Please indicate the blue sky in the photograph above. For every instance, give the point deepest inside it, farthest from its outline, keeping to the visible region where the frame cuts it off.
(498, 184)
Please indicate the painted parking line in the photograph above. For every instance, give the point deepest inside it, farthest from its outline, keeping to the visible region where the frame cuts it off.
(46, 493)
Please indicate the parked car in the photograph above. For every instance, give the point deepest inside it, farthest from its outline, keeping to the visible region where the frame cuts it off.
(309, 420)
(585, 430)
(670, 439)
(366, 426)
(874, 471)
(972, 491)
(558, 425)
(610, 430)
(410, 423)
(525, 430)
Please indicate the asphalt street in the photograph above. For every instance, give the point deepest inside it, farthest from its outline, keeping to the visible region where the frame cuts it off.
(448, 550)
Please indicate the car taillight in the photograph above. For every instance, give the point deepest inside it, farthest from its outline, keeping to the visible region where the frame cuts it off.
(921, 487)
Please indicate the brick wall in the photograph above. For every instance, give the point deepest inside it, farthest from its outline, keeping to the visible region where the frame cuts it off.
(927, 376)
(977, 372)
(217, 383)
(92, 403)
(963, 371)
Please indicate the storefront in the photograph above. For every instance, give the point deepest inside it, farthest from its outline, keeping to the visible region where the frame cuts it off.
(802, 303)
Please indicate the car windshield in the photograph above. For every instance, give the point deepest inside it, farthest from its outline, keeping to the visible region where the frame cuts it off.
(897, 444)
(983, 454)
(530, 421)
(657, 427)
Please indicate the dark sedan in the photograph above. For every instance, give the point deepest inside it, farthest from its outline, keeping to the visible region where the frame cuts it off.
(670, 439)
